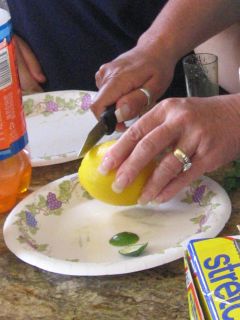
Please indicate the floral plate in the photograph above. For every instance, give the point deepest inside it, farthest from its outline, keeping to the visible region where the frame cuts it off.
(58, 124)
(60, 228)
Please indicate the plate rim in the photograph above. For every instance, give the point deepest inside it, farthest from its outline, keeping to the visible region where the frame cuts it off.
(55, 159)
(103, 268)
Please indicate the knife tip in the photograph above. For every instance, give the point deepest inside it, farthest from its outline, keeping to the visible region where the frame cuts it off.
(81, 154)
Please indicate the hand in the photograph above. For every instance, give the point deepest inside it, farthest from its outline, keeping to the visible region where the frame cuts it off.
(206, 129)
(120, 80)
(30, 72)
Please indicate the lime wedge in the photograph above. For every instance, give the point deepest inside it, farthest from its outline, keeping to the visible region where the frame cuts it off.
(133, 250)
(124, 239)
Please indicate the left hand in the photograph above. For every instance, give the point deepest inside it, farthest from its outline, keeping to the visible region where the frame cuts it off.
(30, 72)
(206, 129)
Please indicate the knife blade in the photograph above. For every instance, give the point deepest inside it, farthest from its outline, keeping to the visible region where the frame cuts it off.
(106, 125)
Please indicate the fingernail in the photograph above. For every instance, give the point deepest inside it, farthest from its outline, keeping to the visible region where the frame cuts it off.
(122, 113)
(144, 199)
(158, 200)
(106, 165)
(119, 184)
(40, 77)
(142, 202)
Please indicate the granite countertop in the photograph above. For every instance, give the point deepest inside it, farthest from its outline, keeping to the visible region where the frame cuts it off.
(29, 293)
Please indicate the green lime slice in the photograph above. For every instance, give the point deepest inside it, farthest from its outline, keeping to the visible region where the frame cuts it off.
(124, 238)
(133, 250)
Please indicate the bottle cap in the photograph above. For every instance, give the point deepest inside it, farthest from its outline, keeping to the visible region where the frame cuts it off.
(15, 147)
(5, 25)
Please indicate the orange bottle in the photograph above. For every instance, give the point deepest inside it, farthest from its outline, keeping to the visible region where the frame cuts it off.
(15, 166)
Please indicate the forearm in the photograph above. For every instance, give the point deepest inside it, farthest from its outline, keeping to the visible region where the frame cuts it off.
(184, 24)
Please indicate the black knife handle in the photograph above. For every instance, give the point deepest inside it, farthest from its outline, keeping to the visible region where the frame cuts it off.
(109, 119)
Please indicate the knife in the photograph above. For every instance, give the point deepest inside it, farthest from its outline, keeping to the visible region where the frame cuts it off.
(106, 125)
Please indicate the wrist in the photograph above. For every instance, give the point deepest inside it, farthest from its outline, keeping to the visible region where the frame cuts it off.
(159, 47)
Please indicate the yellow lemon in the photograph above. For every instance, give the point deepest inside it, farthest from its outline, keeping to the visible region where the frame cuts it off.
(99, 186)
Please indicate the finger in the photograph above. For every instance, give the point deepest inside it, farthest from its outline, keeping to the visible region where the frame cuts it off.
(181, 181)
(109, 94)
(124, 69)
(121, 127)
(156, 87)
(127, 142)
(28, 83)
(140, 100)
(131, 105)
(30, 60)
(146, 150)
(99, 77)
(168, 169)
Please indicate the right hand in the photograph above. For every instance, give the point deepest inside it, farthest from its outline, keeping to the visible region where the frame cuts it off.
(119, 81)
(30, 72)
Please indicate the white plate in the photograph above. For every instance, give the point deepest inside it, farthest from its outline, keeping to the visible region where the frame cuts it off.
(58, 124)
(60, 229)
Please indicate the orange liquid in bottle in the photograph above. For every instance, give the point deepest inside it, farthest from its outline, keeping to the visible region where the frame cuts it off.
(15, 166)
(15, 176)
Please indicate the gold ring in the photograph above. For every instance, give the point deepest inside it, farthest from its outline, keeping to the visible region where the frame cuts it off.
(148, 96)
(183, 158)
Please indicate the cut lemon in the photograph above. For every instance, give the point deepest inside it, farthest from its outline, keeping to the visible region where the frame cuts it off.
(133, 250)
(99, 186)
(124, 239)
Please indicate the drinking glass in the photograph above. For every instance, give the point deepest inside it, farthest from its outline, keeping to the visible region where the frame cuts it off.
(201, 74)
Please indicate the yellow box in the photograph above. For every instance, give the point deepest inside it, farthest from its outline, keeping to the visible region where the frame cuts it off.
(214, 267)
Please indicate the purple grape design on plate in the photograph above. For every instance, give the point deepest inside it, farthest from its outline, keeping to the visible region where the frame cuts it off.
(52, 106)
(30, 219)
(52, 202)
(198, 193)
(52, 103)
(86, 101)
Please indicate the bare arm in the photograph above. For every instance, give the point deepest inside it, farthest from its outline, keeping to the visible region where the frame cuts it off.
(184, 24)
(178, 29)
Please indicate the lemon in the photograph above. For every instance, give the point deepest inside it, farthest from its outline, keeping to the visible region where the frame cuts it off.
(99, 186)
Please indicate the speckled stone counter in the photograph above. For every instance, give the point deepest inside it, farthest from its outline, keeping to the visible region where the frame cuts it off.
(28, 293)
